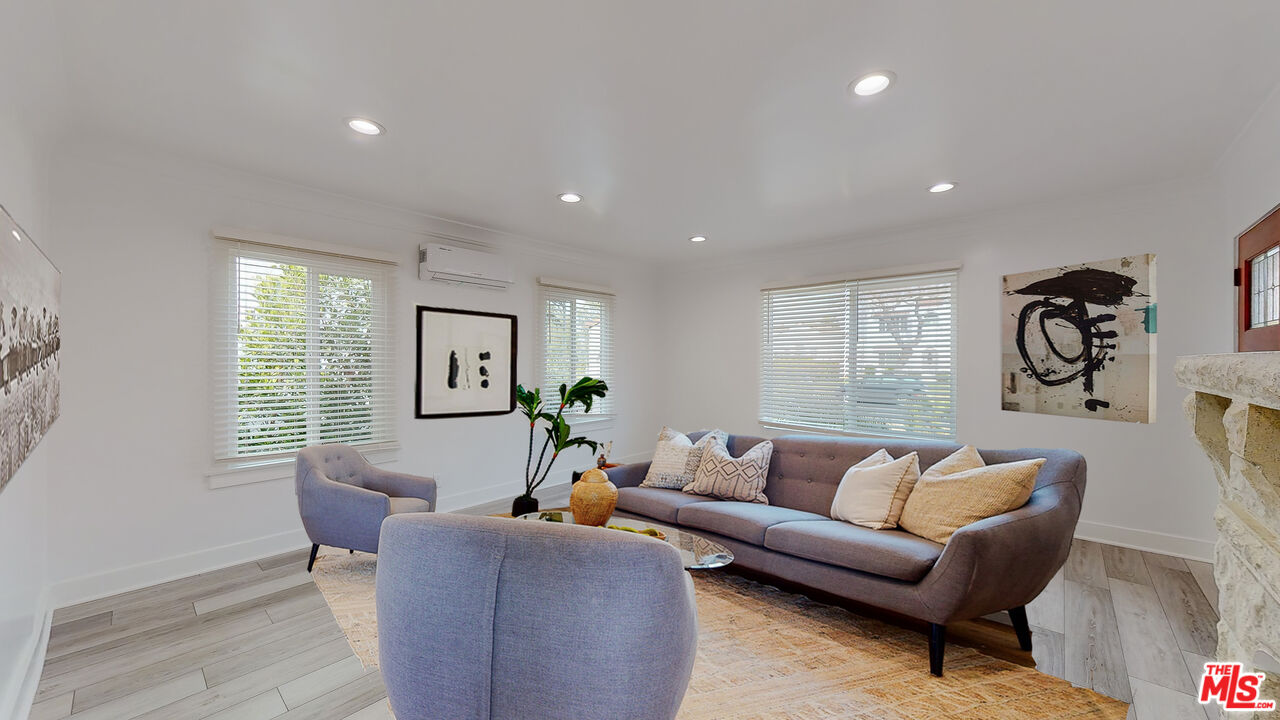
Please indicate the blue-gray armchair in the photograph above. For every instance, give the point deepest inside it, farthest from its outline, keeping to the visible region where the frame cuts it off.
(343, 499)
(496, 619)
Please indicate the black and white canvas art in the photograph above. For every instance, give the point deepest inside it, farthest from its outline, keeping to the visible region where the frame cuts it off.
(1080, 340)
(30, 287)
(466, 363)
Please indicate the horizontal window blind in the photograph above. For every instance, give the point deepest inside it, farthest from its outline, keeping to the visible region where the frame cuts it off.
(870, 357)
(577, 340)
(302, 351)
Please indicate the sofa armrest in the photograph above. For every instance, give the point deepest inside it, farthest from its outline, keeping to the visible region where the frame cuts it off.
(630, 475)
(1004, 561)
(403, 485)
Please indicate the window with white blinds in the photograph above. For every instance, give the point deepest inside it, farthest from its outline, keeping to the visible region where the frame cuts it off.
(302, 351)
(873, 357)
(577, 340)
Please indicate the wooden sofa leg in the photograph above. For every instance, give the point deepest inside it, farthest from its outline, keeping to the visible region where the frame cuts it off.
(311, 563)
(937, 646)
(1018, 616)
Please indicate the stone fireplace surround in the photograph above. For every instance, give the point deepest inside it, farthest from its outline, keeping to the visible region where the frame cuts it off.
(1235, 414)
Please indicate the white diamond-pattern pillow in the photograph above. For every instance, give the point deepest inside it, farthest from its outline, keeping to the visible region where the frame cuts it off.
(720, 475)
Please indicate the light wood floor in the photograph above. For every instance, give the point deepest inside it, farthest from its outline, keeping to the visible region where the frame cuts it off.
(256, 641)
(1132, 625)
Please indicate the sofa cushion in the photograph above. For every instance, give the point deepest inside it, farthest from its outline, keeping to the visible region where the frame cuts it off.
(743, 521)
(944, 502)
(890, 553)
(657, 503)
(742, 478)
(872, 493)
(409, 505)
(676, 459)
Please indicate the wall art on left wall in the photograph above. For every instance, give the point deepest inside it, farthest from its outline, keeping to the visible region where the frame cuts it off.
(30, 288)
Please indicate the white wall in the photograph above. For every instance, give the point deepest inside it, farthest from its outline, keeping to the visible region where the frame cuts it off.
(1149, 485)
(136, 437)
(30, 85)
(1248, 176)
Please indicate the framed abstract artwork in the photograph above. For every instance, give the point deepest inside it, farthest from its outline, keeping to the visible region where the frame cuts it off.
(1080, 340)
(466, 363)
(30, 288)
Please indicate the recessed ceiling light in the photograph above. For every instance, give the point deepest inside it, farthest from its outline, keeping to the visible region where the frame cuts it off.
(697, 238)
(16, 236)
(570, 197)
(365, 126)
(872, 83)
(942, 187)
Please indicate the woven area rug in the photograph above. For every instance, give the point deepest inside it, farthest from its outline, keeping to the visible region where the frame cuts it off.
(765, 653)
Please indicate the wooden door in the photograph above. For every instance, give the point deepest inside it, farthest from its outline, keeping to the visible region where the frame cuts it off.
(1258, 280)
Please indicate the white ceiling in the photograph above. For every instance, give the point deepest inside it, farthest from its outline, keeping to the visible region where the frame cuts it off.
(726, 118)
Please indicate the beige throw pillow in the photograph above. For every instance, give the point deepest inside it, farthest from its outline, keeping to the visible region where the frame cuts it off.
(954, 493)
(676, 459)
(966, 458)
(873, 492)
(723, 476)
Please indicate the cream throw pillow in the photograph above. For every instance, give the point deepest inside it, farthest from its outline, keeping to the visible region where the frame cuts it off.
(955, 492)
(873, 492)
(676, 459)
(723, 476)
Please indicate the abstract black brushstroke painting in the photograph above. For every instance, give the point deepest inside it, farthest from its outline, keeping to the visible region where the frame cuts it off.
(1080, 340)
(30, 346)
(466, 363)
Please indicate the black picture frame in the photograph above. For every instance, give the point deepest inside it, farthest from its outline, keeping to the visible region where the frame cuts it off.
(425, 413)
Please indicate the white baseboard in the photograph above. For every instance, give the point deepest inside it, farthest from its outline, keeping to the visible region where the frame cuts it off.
(1177, 545)
(16, 702)
(132, 577)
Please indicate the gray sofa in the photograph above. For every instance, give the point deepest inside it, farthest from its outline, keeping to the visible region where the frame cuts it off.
(495, 619)
(998, 564)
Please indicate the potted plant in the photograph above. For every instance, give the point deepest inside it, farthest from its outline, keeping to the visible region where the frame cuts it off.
(583, 393)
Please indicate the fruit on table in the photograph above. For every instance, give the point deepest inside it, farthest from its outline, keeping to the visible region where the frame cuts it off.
(651, 532)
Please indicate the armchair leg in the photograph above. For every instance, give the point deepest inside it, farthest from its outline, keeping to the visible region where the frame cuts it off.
(937, 646)
(311, 563)
(1018, 616)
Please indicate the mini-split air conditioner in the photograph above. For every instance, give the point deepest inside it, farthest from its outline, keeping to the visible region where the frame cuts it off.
(447, 263)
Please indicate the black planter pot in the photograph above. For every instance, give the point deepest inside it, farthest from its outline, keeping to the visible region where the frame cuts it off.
(523, 505)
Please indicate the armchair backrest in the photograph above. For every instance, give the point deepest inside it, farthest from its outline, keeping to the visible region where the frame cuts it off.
(483, 618)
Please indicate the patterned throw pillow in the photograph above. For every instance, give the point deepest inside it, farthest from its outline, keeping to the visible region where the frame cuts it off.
(955, 492)
(723, 476)
(676, 459)
(873, 492)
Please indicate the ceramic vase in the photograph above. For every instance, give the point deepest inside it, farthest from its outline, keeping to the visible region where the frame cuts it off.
(593, 498)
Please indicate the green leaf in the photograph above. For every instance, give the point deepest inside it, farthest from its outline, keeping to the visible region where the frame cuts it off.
(584, 392)
(582, 442)
(530, 402)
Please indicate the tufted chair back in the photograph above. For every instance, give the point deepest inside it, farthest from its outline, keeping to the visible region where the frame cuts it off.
(340, 463)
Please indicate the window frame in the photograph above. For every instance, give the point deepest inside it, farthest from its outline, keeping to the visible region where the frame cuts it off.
(380, 268)
(848, 407)
(549, 287)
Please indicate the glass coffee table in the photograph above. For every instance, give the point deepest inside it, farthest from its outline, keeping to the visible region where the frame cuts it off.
(698, 553)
